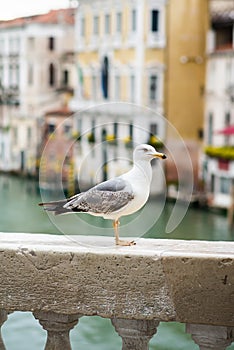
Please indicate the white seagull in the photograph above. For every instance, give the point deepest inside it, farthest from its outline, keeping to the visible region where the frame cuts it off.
(120, 196)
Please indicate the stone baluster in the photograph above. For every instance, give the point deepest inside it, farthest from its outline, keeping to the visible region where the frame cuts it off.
(3, 318)
(135, 334)
(209, 337)
(58, 327)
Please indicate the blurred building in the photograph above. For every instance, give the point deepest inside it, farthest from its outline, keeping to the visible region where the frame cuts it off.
(57, 165)
(148, 53)
(120, 93)
(185, 61)
(218, 160)
(36, 55)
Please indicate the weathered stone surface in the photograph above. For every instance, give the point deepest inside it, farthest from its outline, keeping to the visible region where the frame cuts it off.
(135, 334)
(205, 288)
(210, 337)
(186, 281)
(58, 327)
(3, 318)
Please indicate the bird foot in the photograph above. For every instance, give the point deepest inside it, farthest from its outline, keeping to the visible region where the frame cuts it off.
(125, 243)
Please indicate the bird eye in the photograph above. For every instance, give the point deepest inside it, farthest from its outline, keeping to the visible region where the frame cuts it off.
(145, 149)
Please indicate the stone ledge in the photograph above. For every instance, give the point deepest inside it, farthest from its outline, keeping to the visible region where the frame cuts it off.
(168, 280)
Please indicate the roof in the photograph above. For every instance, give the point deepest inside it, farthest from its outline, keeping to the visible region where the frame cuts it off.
(52, 17)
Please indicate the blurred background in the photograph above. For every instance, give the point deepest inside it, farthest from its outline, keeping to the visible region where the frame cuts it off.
(81, 84)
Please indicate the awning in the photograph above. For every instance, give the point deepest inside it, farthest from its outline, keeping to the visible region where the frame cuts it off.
(229, 130)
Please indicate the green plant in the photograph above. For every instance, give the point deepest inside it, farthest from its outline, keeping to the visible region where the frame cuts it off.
(223, 152)
(91, 137)
(155, 142)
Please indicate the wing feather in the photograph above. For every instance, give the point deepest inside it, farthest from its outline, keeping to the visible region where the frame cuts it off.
(106, 197)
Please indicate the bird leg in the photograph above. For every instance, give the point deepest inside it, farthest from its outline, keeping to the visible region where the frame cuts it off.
(117, 240)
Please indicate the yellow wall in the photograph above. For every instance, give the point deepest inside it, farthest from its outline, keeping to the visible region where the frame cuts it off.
(155, 56)
(124, 55)
(187, 23)
(85, 58)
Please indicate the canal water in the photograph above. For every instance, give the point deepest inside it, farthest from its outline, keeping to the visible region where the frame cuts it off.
(19, 212)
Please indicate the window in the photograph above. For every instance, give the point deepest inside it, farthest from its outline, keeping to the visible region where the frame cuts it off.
(67, 129)
(11, 45)
(51, 128)
(153, 129)
(2, 150)
(210, 129)
(117, 87)
(227, 119)
(65, 77)
(229, 74)
(79, 125)
(82, 27)
(118, 22)
(51, 75)
(132, 88)
(224, 36)
(29, 135)
(212, 183)
(107, 24)
(227, 123)
(95, 25)
(225, 185)
(131, 131)
(31, 43)
(10, 74)
(15, 135)
(14, 75)
(30, 74)
(51, 43)
(154, 21)
(94, 87)
(115, 130)
(153, 88)
(2, 46)
(1, 74)
(17, 75)
(105, 77)
(134, 20)
(17, 45)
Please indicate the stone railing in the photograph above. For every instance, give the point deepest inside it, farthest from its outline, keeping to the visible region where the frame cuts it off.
(61, 278)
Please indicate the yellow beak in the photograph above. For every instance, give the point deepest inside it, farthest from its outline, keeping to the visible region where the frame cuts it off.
(160, 155)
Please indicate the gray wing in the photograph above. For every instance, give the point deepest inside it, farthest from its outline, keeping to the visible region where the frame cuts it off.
(106, 197)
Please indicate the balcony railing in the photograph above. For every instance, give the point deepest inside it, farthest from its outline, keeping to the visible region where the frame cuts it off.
(61, 278)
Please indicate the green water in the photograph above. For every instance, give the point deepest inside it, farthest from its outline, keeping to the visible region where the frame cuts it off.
(19, 212)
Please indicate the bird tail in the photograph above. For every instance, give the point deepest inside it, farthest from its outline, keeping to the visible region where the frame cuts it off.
(57, 207)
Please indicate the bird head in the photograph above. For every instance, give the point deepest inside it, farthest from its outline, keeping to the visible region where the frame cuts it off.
(147, 152)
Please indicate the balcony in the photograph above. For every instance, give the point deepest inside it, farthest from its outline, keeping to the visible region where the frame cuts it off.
(61, 278)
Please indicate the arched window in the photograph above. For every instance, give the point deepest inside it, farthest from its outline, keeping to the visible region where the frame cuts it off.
(105, 77)
(51, 75)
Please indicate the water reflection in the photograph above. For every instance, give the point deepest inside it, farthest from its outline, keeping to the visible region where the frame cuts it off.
(20, 213)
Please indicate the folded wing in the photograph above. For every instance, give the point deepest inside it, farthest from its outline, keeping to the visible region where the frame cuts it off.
(107, 197)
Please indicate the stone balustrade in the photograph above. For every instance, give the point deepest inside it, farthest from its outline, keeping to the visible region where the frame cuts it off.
(59, 279)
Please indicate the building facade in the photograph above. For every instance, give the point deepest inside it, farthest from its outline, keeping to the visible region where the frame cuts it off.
(218, 160)
(149, 53)
(185, 60)
(33, 76)
(57, 159)
(119, 98)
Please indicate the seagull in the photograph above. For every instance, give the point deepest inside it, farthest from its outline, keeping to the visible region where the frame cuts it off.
(117, 197)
